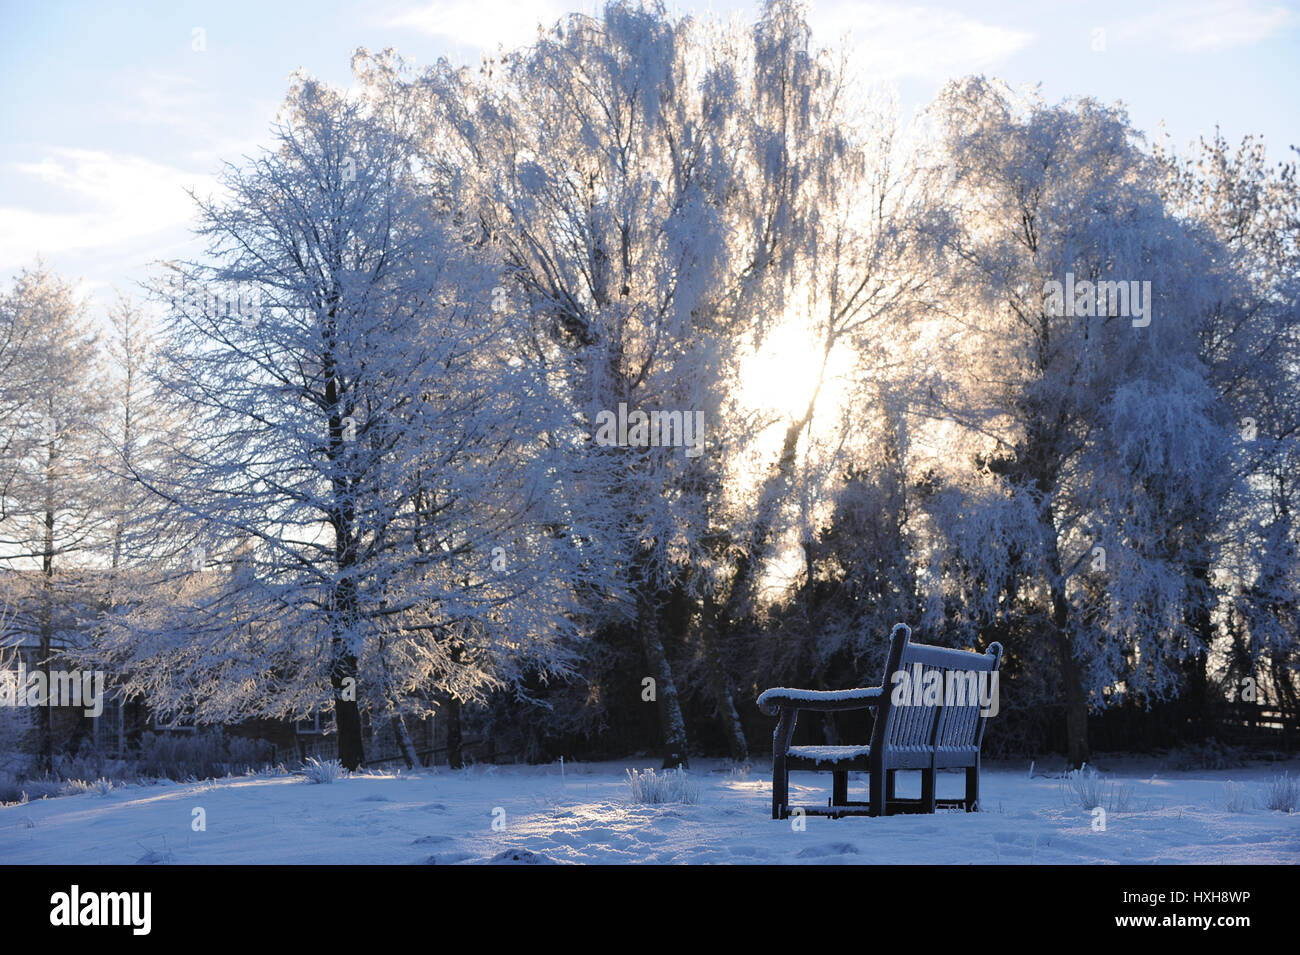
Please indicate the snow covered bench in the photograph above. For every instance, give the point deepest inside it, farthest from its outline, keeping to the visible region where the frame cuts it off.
(930, 712)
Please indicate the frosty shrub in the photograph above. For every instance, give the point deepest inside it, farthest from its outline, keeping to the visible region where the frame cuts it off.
(322, 770)
(1086, 787)
(672, 785)
(74, 787)
(737, 770)
(1283, 793)
(1235, 797)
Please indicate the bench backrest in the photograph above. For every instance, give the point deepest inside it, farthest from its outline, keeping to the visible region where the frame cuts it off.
(935, 696)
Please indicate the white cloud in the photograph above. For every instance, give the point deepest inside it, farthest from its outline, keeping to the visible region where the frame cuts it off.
(168, 99)
(891, 41)
(117, 198)
(205, 133)
(484, 23)
(1208, 26)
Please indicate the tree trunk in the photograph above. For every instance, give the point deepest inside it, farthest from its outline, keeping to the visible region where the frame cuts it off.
(455, 741)
(45, 731)
(650, 603)
(344, 674)
(769, 501)
(1076, 702)
(346, 612)
(737, 745)
(44, 715)
(1204, 711)
(404, 743)
(671, 724)
(347, 714)
(719, 625)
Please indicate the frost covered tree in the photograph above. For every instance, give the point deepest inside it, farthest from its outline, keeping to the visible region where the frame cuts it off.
(846, 255)
(54, 522)
(133, 418)
(1072, 364)
(597, 161)
(357, 444)
(663, 191)
(1249, 214)
(15, 395)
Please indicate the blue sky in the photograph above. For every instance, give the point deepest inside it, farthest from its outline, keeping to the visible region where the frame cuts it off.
(110, 110)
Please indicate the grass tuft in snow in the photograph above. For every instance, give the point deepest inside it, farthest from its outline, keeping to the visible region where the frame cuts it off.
(161, 856)
(401, 773)
(1236, 798)
(322, 770)
(672, 785)
(100, 787)
(1087, 788)
(1283, 793)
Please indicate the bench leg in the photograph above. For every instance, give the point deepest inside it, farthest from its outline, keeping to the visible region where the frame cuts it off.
(780, 787)
(877, 797)
(927, 789)
(780, 775)
(891, 790)
(973, 787)
(840, 787)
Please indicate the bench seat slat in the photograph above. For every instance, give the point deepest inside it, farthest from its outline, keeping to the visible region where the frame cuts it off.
(828, 754)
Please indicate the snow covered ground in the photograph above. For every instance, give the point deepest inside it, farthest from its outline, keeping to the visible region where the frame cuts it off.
(585, 816)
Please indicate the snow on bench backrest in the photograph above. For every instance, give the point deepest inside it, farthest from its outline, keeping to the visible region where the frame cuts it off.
(938, 695)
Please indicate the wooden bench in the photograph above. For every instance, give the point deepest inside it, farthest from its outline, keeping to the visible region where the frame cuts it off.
(923, 731)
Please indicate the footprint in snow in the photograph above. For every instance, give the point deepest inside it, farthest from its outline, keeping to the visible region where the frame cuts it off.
(830, 849)
(427, 840)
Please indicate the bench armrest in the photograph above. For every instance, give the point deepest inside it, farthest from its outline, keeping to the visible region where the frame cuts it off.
(781, 697)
